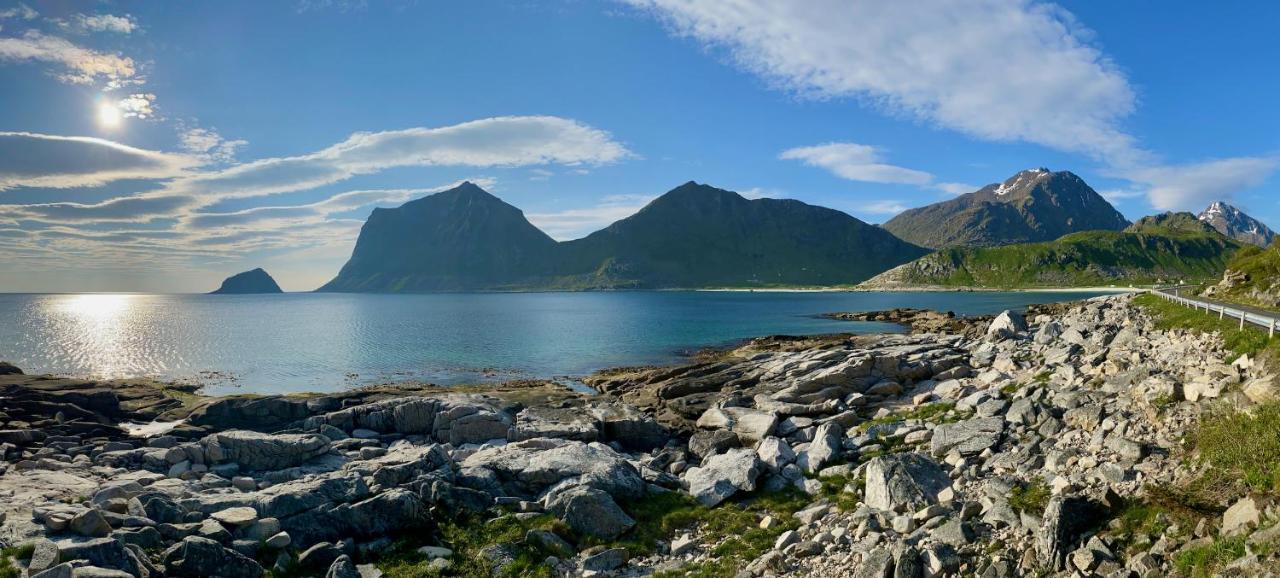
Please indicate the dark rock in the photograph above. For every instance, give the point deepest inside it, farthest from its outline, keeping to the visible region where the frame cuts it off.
(253, 281)
(590, 512)
(7, 368)
(198, 557)
(322, 555)
(342, 568)
(101, 552)
(605, 561)
(704, 444)
(904, 482)
(1065, 519)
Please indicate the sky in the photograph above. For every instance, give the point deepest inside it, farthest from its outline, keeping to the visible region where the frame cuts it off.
(162, 146)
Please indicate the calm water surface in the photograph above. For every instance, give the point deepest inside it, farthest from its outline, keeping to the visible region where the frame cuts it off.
(324, 342)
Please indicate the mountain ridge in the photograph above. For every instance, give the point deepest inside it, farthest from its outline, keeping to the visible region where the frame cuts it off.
(1237, 224)
(253, 281)
(1030, 206)
(694, 236)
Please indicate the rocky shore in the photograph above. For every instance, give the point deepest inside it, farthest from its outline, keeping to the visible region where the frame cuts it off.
(976, 447)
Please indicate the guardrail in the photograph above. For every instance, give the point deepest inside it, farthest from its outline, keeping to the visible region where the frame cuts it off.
(1224, 312)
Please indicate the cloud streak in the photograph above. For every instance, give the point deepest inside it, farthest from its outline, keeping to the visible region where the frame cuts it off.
(78, 65)
(41, 160)
(855, 162)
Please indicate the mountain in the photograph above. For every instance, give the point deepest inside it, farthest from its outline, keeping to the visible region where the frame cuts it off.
(1173, 246)
(700, 236)
(255, 281)
(693, 236)
(463, 238)
(1234, 223)
(1033, 205)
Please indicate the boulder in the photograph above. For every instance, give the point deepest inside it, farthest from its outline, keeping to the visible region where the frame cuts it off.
(969, 437)
(722, 476)
(198, 557)
(751, 425)
(342, 568)
(629, 427)
(1008, 324)
(553, 422)
(775, 453)
(259, 451)
(704, 444)
(103, 553)
(1242, 516)
(904, 482)
(91, 523)
(589, 511)
(1065, 518)
(7, 368)
(824, 448)
(529, 467)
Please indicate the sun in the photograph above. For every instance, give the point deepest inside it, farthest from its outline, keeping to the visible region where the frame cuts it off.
(109, 115)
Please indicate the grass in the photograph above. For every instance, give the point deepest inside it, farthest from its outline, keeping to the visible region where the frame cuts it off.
(1169, 316)
(467, 536)
(1242, 444)
(1262, 268)
(1030, 497)
(8, 555)
(940, 412)
(1204, 561)
(1140, 256)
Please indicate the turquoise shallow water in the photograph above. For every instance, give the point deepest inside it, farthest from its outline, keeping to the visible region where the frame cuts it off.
(324, 342)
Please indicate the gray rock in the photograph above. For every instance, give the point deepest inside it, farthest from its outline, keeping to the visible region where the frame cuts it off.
(750, 425)
(1242, 516)
(44, 555)
(1007, 324)
(590, 512)
(259, 451)
(91, 523)
(969, 437)
(722, 476)
(199, 557)
(529, 467)
(704, 444)
(824, 448)
(775, 453)
(342, 568)
(1065, 517)
(605, 561)
(101, 552)
(904, 482)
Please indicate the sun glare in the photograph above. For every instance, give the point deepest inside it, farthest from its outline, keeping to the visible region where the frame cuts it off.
(109, 115)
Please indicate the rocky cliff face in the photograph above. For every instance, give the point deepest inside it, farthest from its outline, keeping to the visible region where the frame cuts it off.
(1033, 205)
(693, 236)
(255, 281)
(1237, 225)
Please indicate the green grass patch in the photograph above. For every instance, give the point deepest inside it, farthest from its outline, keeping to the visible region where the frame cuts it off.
(1242, 445)
(467, 536)
(1168, 315)
(939, 412)
(1030, 497)
(1204, 561)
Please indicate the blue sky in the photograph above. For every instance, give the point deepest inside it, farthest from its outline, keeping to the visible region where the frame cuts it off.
(161, 146)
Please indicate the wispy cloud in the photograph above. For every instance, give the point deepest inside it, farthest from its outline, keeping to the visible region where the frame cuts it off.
(579, 222)
(509, 141)
(141, 105)
(87, 23)
(955, 188)
(75, 64)
(1192, 186)
(884, 207)
(21, 12)
(41, 160)
(209, 143)
(855, 162)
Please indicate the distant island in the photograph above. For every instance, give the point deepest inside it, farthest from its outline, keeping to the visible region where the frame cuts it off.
(248, 282)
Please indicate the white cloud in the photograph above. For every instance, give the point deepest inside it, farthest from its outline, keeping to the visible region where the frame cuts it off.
(78, 65)
(761, 193)
(40, 160)
(955, 188)
(1005, 70)
(104, 23)
(580, 222)
(541, 174)
(509, 141)
(884, 207)
(209, 143)
(1192, 186)
(1117, 195)
(141, 105)
(21, 11)
(855, 162)
(118, 210)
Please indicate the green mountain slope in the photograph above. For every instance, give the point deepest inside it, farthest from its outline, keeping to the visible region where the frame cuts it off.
(693, 236)
(1252, 277)
(1033, 205)
(459, 239)
(1173, 246)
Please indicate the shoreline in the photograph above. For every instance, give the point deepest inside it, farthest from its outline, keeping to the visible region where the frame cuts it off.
(808, 436)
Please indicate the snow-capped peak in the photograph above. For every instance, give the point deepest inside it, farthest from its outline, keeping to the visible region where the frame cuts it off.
(1016, 181)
